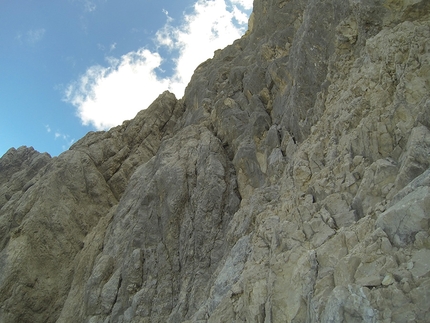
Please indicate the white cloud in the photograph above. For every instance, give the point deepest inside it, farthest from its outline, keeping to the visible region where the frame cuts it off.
(240, 16)
(246, 4)
(105, 96)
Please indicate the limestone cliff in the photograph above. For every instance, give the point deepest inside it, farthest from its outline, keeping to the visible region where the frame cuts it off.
(291, 183)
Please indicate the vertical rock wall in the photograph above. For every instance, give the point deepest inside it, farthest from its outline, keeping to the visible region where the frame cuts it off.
(290, 184)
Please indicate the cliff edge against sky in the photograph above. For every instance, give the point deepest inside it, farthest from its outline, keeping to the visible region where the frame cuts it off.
(291, 183)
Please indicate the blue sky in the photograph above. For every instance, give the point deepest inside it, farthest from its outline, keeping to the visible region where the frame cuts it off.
(72, 66)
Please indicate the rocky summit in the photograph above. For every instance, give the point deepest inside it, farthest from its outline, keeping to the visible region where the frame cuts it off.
(291, 183)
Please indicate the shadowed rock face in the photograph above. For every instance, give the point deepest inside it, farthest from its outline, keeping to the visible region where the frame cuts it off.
(290, 184)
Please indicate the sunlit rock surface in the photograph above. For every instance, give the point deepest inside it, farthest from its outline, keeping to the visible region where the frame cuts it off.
(290, 184)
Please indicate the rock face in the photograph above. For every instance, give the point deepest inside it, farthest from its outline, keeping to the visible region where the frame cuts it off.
(290, 184)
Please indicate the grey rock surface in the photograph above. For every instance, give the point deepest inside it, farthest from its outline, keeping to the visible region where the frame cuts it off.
(289, 184)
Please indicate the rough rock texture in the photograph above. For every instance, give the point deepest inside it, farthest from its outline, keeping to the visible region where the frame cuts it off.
(290, 184)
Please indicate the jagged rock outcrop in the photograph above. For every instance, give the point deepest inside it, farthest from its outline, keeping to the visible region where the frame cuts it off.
(291, 183)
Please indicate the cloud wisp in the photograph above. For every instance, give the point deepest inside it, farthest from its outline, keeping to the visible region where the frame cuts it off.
(104, 96)
(32, 36)
(65, 138)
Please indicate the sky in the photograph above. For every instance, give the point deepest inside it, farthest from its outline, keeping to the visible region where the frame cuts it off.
(68, 67)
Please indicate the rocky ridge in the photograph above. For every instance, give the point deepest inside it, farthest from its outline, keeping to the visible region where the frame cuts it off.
(291, 183)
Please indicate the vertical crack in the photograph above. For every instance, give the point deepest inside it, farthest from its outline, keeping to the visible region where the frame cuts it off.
(311, 314)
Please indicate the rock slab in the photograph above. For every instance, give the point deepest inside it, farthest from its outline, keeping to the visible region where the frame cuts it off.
(290, 184)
